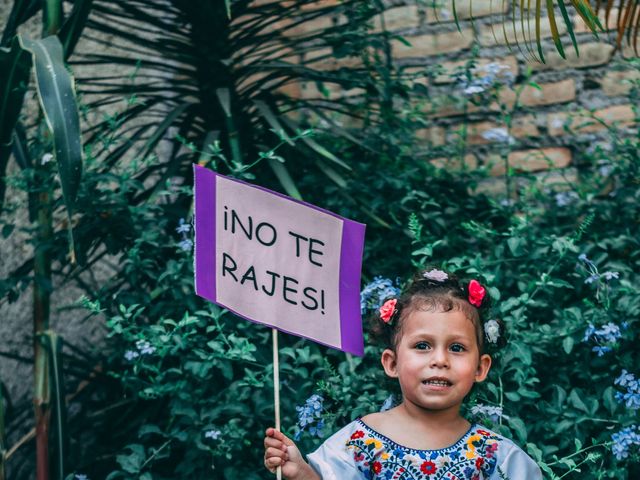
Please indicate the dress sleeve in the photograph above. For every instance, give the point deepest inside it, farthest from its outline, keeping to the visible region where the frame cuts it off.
(332, 460)
(515, 464)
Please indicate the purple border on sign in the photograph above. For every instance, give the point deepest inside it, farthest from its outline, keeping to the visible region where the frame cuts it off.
(350, 259)
(350, 267)
(205, 232)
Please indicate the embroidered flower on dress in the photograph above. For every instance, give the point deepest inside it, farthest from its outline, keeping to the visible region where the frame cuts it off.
(492, 331)
(378, 458)
(388, 309)
(428, 468)
(476, 293)
(436, 275)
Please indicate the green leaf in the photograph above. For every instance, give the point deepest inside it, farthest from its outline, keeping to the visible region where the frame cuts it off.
(271, 119)
(513, 396)
(516, 245)
(133, 462)
(567, 344)
(284, 178)
(608, 398)
(52, 16)
(15, 66)
(57, 98)
(53, 344)
(576, 401)
(518, 426)
(569, 23)
(73, 25)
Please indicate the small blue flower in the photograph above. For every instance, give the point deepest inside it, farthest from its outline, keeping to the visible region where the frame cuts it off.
(588, 333)
(145, 347)
(375, 293)
(310, 417)
(129, 355)
(611, 275)
(625, 378)
(185, 244)
(623, 440)
(183, 227)
(583, 258)
(606, 337)
(631, 398)
(566, 198)
(389, 403)
(212, 434)
(601, 350)
(494, 413)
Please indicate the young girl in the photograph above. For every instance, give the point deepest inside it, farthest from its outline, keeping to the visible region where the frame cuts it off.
(435, 337)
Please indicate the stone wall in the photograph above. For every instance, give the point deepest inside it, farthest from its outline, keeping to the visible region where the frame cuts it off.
(564, 105)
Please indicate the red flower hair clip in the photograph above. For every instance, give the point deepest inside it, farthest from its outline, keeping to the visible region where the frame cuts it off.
(476, 293)
(388, 309)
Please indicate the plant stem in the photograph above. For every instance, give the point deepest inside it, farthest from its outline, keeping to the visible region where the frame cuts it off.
(41, 307)
(3, 448)
(578, 453)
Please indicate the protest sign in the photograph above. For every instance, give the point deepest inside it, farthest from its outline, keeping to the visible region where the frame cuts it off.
(278, 261)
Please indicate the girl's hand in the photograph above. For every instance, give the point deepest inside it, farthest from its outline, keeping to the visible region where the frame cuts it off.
(280, 451)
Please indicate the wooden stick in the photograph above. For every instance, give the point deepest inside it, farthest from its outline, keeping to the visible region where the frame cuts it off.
(276, 387)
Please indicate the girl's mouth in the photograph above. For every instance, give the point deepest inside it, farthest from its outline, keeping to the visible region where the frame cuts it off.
(437, 383)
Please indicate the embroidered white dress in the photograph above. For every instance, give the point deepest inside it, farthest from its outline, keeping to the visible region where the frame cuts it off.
(358, 452)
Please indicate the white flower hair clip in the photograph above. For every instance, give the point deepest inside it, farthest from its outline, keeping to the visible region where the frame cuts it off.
(435, 275)
(492, 331)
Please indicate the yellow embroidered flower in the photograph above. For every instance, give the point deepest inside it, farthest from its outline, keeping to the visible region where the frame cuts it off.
(376, 443)
(384, 456)
(471, 439)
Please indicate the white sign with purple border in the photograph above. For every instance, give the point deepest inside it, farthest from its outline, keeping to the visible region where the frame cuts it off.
(278, 261)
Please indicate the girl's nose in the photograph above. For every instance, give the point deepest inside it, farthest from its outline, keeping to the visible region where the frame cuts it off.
(439, 358)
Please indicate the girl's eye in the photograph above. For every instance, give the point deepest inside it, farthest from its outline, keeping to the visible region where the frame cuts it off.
(456, 347)
(422, 345)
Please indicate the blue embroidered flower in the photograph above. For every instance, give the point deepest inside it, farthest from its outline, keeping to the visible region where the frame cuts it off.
(378, 457)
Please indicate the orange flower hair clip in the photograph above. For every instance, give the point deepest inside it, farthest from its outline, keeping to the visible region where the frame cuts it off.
(388, 310)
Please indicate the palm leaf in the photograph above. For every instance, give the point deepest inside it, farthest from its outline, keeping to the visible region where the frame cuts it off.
(555, 35)
(231, 71)
(15, 65)
(21, 11)
(73, 25)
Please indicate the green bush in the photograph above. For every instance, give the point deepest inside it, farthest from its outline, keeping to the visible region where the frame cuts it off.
(182, 388)
(197, 380)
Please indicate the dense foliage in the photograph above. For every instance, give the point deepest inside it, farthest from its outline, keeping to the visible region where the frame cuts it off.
(181, 388)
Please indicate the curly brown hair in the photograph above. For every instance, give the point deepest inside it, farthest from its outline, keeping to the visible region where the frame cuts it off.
(426, 294)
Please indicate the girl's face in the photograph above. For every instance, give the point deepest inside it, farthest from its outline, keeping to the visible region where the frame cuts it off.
(437, 359)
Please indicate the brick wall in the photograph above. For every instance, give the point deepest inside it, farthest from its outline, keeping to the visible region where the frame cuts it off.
(551, 126)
